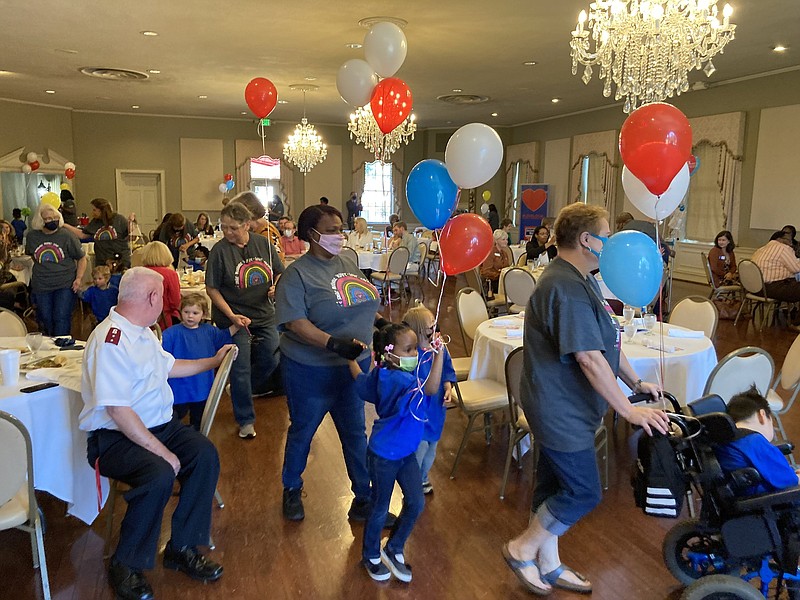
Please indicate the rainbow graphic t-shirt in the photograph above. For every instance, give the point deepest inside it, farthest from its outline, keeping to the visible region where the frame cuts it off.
(54, 259)
(253, 272)
(48, 252)
(351, 290)
(105, 234)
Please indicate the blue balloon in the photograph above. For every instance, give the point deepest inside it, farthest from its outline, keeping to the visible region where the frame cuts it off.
(431, 193)
(229, 184)
(631, 266)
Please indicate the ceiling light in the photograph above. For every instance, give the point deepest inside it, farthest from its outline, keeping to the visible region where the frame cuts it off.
(49, 91)
(780, 48)
(153, 71)
(529, 63)
(457, 90)
(283, 102)
(365, 130)
(149, 33)
(244, 112)
(135, 106)
(309, 78)
(555, 100)
(494, 114)
(305, 148)
(6, 72)
(203, 97)
(354, 46)
(66, 50)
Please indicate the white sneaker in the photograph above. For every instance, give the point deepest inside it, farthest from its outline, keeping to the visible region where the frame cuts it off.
(247, 432)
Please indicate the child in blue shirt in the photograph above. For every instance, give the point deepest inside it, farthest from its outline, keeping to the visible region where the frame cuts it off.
(421, 320)
(752, 445)
(18, 224)
(192, 339)
(102, 295)
(401, 397)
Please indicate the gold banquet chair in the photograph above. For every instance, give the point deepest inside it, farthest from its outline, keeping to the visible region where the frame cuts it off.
(475, 281)
(18, 507)
(789, 380)
(755, 296)
(395, 273)
(11, 325)
(519, 285)
(739, 370)
(718, 291)
(696, 313)
(471, 312)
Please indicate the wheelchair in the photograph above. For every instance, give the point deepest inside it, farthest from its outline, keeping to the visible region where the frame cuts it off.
(735, 542)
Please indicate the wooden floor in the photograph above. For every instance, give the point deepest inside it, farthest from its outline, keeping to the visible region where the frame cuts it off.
(455, 548)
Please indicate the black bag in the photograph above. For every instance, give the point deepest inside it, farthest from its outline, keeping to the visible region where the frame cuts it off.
(657, 479)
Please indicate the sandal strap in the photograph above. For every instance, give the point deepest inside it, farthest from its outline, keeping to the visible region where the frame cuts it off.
(553, 576)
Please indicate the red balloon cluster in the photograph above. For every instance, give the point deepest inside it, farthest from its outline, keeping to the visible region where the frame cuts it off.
(655, 142)
(391, 103)
(228, 176)
(34, 165)
(69, 173)
(464, 243)
(261, 96)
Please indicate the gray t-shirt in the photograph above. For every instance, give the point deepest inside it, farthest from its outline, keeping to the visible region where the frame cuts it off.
(110, 239)
(243, 276)
(334, 296)
(175, 240)
(412, 243)
(566, 314)
(54, 259)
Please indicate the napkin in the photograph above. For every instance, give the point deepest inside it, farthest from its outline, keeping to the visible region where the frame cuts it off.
(504, 323)
(68, 376)
(654, 345)
(685, 333)
(513, 333)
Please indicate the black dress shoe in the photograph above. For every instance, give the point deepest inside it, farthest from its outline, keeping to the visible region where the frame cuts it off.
(361, 509)
(128, 583)
(191, 562)
(293, 505)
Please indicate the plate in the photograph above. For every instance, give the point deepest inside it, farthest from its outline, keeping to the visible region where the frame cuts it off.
(47, 362)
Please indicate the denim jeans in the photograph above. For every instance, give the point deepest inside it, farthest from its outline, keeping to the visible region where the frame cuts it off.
(567, 488)
(384, 473)
(251, 371)
(54, 311)
(311, 393)
(426, 453)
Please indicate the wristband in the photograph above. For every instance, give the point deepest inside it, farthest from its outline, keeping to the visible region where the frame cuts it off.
(638, 384)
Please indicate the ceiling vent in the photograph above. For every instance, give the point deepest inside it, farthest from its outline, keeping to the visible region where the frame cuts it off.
(463, 99)
(110, 74)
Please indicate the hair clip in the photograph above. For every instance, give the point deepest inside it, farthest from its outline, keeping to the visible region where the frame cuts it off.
(389, 347)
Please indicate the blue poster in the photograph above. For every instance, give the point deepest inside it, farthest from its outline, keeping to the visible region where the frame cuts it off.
(532, 208)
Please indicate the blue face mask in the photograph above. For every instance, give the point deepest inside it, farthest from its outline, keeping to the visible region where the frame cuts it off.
(602, 239)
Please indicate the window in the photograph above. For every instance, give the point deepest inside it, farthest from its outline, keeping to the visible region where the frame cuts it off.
(378, 195)
(515, 193)
(265, 176)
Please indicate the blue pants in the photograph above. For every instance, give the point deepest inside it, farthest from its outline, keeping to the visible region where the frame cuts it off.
(384, 473)
(311, 393)
(54, 311)
(567, 488)
(426, 453)
(257, 361)
(151, 479)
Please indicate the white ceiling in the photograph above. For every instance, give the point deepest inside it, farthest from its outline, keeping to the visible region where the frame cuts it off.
(215, 48)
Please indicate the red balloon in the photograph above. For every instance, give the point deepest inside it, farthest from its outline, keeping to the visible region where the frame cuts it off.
(465, 242)
(655, 142)
(228, 176)
(261, 96)
(69, 173)
(391, 103)
(34, 165)
(534, 199)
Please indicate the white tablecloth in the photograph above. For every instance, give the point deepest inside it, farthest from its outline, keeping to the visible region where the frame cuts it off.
(22, 268)
(59, 447)
(685, 370)
(370, 260)
(208, 241)
(200, 289)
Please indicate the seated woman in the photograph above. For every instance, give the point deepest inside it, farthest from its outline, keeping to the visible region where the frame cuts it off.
(541, 242)
(158, 257)
(203, 225)
(497, 260)
(723, 261)
(360, 238)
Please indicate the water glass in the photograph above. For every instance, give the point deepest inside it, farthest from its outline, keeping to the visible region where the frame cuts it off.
(9, 366)
(628, 313)
(34, 341)
(630, 331)
(649, 320)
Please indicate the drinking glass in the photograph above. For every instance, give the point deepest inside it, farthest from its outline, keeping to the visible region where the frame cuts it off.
(630, 331)
(627, 314)
(649, 320)
(34, 342)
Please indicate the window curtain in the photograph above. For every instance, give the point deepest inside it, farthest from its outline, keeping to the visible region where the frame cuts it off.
(523, 157)
(361, 156)
(604, 170)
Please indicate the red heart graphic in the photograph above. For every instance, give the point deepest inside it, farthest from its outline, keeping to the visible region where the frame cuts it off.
(534, 199)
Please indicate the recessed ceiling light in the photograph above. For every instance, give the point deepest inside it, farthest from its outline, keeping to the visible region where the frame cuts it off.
(457, 90)
(135, 106)
(153, 71)
(66, 50)
(6, 72)
(529, 63)
(309, 78)
(283, 102)
(149, 33)
(494, 114)
(102, 97)
(555, 100)
(49, 91)
(780, 48)
(354, 46)
(203, 97)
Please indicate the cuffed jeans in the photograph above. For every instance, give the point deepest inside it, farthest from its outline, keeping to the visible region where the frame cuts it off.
(251, 371)
(54, 311)
(311, 393)
(426, 453)
(384, 472)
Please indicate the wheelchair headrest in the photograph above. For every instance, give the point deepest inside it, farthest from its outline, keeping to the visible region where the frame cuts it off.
(719, 427)
(710, 403)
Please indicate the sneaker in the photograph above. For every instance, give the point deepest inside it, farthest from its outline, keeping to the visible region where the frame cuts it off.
(376, 570)
(427, 487)
(361, 509)
(397, 564)
(188, 560)
(293, 505)
(130, 584)
(247, 432)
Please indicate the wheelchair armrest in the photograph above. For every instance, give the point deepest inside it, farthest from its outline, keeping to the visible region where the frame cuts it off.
(788, 496)
(744, 478)
(786, 448)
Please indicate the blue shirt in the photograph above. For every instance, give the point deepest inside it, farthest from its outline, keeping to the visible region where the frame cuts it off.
(101, 301)
(401, 408)
(432, 430)
(751, 449)
(191, 344)
(19, 228)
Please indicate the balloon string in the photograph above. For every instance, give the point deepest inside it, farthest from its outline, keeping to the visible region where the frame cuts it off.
(439, 303)
(263, 134)
(661, 351)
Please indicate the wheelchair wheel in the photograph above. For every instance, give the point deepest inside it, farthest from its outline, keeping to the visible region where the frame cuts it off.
(691, 553)
(721, 587)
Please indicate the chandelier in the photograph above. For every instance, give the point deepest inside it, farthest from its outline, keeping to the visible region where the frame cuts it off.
(646, 48)
(364, 129)
(304, 149)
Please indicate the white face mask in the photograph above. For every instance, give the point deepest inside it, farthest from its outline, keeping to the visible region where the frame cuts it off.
(289, 233)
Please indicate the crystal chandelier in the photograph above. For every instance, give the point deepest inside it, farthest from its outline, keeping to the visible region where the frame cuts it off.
(364, 129)
(304, 149)
(647, 47)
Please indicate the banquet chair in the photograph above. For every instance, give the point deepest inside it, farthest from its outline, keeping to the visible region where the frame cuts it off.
(755, 296)
(11, 325)
(475, 281)
(471, 312)
(718, 291)
(395, 273)
(522, 261)
(137, 257)
(518, 425)
(789, 380)
(509, 255)
(697, 313)
(518, 284)
(18, 507)
(350, 253)
(432, 262)
(416, 270)
(738, 371)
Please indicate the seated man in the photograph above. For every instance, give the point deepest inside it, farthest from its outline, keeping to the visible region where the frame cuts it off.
(752, 445)
(293, 246)
(134, 439)
(779, 266)
(401, 237)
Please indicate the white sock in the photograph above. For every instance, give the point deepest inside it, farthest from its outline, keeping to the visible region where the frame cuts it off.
(375, 561)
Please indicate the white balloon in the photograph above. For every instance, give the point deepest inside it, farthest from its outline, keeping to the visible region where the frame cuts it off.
(650, 204)
(484, 209)
(69, 165)
(474, 154)
(355, 82)
(385, 48)
(223, 188)
(32, 157)
(26, 169)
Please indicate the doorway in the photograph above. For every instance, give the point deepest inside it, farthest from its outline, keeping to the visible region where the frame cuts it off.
(141, 192)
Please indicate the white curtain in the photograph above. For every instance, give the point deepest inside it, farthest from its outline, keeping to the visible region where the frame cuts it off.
(361, 157)
(601, 180)
(521, 160)
(713, 191)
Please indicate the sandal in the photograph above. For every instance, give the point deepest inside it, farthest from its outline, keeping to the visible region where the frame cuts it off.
(554, 579)
(517, 566)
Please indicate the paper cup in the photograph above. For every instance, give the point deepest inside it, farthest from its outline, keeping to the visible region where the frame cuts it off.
(9, 366)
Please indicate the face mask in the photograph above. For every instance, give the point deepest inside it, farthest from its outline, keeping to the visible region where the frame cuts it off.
(331, 242)
(289, 233)
(602, 239)
(407, 363)
(51, 225)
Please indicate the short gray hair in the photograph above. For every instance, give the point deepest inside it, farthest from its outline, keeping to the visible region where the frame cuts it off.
(236, 211)
(137, 283)
(37, 221)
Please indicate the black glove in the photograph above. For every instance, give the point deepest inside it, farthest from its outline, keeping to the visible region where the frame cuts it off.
(380, 323)
(345, 348)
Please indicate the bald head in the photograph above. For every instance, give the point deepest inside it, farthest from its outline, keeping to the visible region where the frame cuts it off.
(140, 296)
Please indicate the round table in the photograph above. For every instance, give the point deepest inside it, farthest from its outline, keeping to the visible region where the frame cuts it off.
(377, 261)
(22, 268)
(208, 241)
(686, 368)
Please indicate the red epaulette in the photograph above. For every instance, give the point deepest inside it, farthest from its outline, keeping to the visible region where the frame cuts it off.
(113, 336)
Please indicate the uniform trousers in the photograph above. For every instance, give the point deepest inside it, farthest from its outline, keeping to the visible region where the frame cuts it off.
(151, 480)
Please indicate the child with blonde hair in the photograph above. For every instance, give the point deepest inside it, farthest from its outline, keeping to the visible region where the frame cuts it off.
(102, 295)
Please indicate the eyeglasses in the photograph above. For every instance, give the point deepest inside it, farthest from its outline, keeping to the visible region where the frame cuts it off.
(231, 228)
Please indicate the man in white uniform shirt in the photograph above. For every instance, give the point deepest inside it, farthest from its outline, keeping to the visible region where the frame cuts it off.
(134, 439)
